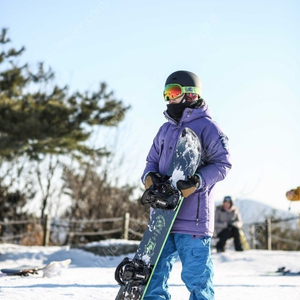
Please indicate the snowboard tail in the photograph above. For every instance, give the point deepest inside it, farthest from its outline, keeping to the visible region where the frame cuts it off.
(135, 275)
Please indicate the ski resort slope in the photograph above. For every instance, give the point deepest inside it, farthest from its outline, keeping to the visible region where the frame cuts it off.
(238, 275)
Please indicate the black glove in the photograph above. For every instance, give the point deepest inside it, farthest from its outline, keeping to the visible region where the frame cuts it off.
(152, 178)
(231, 224)
(189, 186)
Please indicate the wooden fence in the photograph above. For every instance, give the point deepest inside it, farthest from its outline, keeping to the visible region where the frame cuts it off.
(15, 230)
(125, 227)
(41, 232)
(265, 228)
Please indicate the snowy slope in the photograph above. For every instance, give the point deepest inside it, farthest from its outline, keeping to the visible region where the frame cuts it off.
(253, 211)
(238, 275)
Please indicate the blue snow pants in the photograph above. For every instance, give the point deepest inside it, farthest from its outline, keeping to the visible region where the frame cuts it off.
(197, 268)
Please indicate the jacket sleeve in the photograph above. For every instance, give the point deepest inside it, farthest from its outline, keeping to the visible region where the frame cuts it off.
(152, 159)
(219, 224)
(215, 162)
(237, 222)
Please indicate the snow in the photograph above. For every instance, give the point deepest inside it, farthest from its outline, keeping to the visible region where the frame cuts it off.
(191, 145)
(111, 242)
(238, 275)
(146, 259)
(177, 175)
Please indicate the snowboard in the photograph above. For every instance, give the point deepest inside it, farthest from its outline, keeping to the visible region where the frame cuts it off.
(243, 240)
(135, 275)
(52, 269)
(282, 271)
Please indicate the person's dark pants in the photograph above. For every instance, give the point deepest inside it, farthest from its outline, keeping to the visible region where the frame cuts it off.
(226, 234)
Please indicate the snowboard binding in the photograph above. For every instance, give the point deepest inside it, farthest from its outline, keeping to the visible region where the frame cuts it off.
(161, 195)
(132, 271)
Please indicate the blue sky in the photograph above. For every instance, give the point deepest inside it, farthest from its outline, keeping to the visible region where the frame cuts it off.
(246, 54)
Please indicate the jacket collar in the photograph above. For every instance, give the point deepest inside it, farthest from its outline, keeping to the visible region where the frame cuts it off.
(190, 114)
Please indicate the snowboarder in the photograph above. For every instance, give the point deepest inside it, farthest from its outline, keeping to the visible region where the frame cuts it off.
(228, 223)
(192, 230)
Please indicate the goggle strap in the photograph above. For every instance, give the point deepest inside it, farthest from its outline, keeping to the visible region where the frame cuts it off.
(190, 89)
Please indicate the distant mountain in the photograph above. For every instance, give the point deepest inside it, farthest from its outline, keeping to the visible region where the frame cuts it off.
(254, 211)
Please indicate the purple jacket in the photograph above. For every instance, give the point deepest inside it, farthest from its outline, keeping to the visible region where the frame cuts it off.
(196, 215)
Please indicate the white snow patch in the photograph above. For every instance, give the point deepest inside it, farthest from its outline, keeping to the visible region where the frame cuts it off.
(238, 275)
(111, 242)
(177, 175)
(146, 259)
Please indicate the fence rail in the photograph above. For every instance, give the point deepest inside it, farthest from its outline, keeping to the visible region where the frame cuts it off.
(258, 228)
(121, 227)
(124, 226)
(17, 222)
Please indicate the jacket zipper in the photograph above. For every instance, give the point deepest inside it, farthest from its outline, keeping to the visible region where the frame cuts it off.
(178, 124)
(198, 207)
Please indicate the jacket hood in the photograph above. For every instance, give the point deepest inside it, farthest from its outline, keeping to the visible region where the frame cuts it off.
(190, 114)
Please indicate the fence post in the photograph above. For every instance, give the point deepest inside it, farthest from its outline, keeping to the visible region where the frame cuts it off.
(46, 231)
(126, 225)
(268, 234)
(253, 237)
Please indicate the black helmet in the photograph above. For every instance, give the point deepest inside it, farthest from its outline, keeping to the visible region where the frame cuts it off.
(228, 199)
(184, 78)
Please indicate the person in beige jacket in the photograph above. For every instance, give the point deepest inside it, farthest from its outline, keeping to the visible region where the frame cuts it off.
(228, 221)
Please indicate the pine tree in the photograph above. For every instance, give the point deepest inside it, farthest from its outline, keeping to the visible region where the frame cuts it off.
(48, 122)
(39, 119)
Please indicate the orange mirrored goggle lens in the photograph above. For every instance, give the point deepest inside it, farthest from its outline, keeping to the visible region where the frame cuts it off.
(172, 92)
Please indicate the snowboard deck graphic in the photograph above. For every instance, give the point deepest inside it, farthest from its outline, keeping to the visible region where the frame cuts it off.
(184, 162)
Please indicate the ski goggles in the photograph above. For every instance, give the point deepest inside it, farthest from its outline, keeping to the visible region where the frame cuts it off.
(173, 91)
